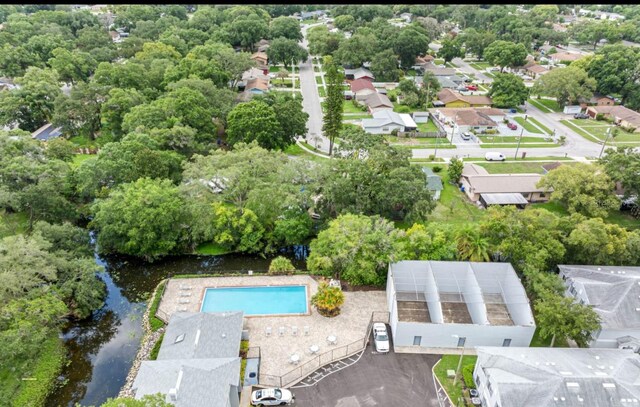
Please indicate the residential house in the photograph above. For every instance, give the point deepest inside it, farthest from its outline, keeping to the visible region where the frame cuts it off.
(448, 304)
(552, 377)
(406, 17)
(422, 61)
(377, 101)
(532, 69)
(257, 86)
(362, 88)
(612, 292)
(262, 61)
(386, 120)
(598, 100)
(198, 363)
(262, 45)
(47, 132)
(562, 57)
(253, 73)
(501, 189)
(434, 183)
(447, 82)
(621, 115)
(559, 28)
(465, 119)
(7, 84)
(115, 37)
(452, 98)
(437, 70)
(308, 15)
(358, 73)
(546, 168)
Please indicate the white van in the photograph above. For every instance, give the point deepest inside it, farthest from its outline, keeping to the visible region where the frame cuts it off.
(493, 156)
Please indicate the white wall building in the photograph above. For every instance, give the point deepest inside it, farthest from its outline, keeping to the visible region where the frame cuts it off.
(614, 294)
(553, 377)
(445, 304)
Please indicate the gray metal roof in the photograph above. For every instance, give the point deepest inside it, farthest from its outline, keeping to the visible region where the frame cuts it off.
(613, 291)
(434, 182)
(198, 382)
(567, 377)
(206, 335)
(47, 132)
(504, 199)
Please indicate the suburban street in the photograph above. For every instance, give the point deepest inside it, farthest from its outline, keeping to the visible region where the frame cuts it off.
(311, 100)
(575, 145)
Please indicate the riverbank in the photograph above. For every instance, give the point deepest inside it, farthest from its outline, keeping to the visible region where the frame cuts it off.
(30, 383)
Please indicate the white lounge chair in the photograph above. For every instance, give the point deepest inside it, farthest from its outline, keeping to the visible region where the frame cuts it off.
(185, 294)
(184, 301)
(182, 309)
(185, 287)
(294, 330)
(306, 330)
(267, 331)
(281, 331)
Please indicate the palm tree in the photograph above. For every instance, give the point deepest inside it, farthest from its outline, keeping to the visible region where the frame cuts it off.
(472, 245)
(328, 300)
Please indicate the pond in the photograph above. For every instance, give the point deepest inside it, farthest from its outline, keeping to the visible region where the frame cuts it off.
(101, 349)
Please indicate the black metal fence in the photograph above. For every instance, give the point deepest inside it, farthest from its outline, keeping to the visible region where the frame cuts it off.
(299, 372)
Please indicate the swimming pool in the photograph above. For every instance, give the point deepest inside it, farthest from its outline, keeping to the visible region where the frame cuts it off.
(287, 299)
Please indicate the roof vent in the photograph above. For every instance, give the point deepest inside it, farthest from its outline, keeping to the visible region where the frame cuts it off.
(599, 268)
(555, 399)
(609, 385)
(573, 384)
(597, 357)
(566, 373)
(179, 338)
(562, 398)
(224, 335)
(197, 337)
(637, 309)
(590, 367)
(580, 399)
(173, 394)
(601, 374)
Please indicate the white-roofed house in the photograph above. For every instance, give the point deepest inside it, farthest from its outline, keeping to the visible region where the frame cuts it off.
(552, 377)
(386, 120)
(614, 294)
(447, 304)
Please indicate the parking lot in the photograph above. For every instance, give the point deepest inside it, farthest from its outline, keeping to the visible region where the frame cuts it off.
(391, 379)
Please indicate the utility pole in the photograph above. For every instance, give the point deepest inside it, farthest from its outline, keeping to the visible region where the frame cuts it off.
(605, 141)
(515, 157)
(293, 77)
(453, 127)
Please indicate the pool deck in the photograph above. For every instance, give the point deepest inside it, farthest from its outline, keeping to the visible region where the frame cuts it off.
(276, 350)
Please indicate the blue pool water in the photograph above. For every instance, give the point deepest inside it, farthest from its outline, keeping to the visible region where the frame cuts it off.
(290, 299)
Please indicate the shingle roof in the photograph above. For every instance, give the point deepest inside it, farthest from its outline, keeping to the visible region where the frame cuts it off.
(448, 96)
(612, 291)
(375, 100)
(620, 112)
(198, 382)
(565, 56)
(257, 83)
(541, 377)
(206, 335)
(359, 73)
(474, 169)
(474, 118)
(360, 84)
(504, 183)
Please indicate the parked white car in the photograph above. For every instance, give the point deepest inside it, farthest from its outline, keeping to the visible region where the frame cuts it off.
(493, 156)
(380, 337)
(271, 397)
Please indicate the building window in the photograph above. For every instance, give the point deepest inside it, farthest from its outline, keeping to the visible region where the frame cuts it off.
(461, 341)
(490, 389)
(417, 340)
(542, 195)
(572, 290)
(478, 381)
(385, 129)
(506, 343)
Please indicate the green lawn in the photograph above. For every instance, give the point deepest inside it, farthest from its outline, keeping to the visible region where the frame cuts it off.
(450, 362)
(397, 105)
(348, 107)
(316, 69)
(80, 158)
(579, 130)
(438, 61)
(321, 91)
(454, 207)
(597, 131)
(542, 126)
(510, 158)
(527, 125)
(512, 139)
(442, 146)
(490, 75)
(82, 141)
(538, 342)
(411, 72)
(353, 116)
(294, 149)
(515, 145)
(617, 217)
(451, 65)
(428, 126)
(512, 167)
(274, 69)
(480, 65)
(319, 80)
(211, 249)
(419, 140)
(13, 223)
(548, 105)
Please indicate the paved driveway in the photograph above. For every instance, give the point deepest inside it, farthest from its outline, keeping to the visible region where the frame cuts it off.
(392, 379)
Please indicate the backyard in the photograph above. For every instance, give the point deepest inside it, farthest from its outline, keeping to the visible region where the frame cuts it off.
(528, 126)
(546, 105)
(450, 362)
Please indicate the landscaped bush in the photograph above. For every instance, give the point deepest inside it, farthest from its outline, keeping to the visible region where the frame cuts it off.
(467, 375)
(280, 266)
(244, 348)
(403, 109)
(491, 131)
(432, 157)
(394, 132)
(328, 300)
(437, 168)
(155, 322)
(156, 348)
(600, 116)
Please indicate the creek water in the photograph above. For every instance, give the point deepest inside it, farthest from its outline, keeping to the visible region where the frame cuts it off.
(102, 348)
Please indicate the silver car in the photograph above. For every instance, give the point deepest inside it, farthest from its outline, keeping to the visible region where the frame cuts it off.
(271, 397)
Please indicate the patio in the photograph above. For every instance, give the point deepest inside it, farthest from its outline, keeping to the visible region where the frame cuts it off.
(276, 350)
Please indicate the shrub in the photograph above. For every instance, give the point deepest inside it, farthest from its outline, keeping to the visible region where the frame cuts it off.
(437, 168)
(491, 131)
(600, 116)
(281, 265)
(244, 348)
(155, 322)
(156, 348)
(394, 132)
(328, 300)
(403, 109)
(467, 375)
(432, 157)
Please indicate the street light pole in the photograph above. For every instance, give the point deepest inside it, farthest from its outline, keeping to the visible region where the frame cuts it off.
(293, 77)
(455, 379)
(453, 127)
(605, 141)
(515, 157)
